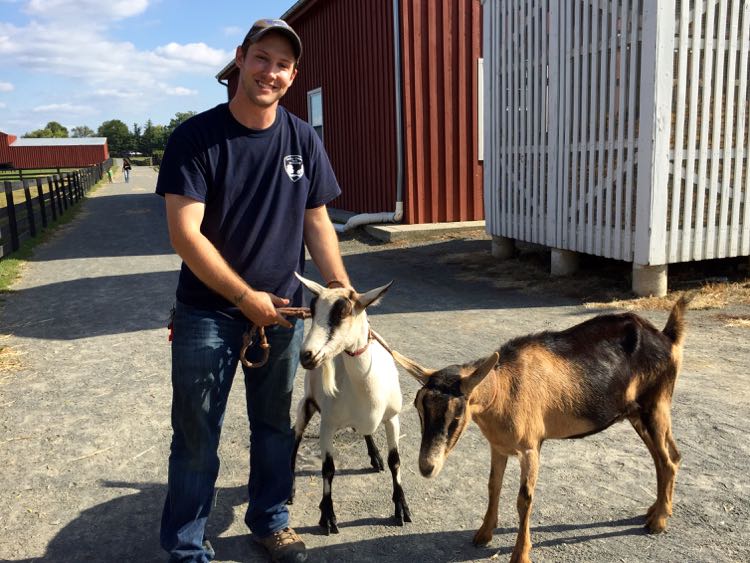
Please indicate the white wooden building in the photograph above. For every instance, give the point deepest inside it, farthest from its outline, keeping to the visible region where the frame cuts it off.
(619, 129)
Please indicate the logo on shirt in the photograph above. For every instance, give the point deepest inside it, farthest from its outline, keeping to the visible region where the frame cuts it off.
(294, 167)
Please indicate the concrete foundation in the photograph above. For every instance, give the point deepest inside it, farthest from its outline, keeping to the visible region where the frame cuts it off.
(563, 262)
(649, 280)
(502, 247)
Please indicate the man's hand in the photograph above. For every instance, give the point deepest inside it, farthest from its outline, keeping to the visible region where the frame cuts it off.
(260, 308)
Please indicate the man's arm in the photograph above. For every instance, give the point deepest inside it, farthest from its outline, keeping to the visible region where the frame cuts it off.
(184, 218)
(323, 245)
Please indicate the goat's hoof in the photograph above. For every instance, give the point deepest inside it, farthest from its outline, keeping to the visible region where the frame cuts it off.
(657, 523)
(654, 508)
(407, 514)
(522, 558)
(329, 526)
(377, 463)
(656, 518)
(482, 537)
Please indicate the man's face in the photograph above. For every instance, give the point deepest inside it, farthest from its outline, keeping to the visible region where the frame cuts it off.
(267, 70)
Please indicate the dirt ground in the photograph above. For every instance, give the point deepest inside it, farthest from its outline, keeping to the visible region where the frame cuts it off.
(85, 394)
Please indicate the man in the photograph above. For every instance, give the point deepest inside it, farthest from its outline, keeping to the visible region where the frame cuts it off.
(245, 184)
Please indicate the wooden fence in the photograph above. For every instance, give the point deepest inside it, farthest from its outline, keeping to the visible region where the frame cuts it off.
(619, 128)
(44, 200)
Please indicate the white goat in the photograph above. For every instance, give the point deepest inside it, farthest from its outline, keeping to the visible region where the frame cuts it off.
(352, 381)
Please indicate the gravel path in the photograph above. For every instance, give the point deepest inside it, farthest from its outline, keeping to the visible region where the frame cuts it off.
(84, 422)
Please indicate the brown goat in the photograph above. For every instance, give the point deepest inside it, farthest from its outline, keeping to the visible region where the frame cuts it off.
(566, 384)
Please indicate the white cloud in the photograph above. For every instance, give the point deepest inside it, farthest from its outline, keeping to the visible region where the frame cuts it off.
(48, 48)
(3, 105)
(232, 30)
(194, 53)
(67, 109)
(68, 43)
(180, 91)
(93, 9)
(112, 93)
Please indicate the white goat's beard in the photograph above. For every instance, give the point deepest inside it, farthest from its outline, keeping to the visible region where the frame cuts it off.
(328, 374)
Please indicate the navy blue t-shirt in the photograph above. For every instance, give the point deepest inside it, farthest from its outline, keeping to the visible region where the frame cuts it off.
(256, 185)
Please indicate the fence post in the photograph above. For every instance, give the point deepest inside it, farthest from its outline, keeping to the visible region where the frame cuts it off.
(556, 84)
(62, 203)
(69, 184)
(11, 216)
(29, 208)
(654, 133)
(42, 209)
(52, 198)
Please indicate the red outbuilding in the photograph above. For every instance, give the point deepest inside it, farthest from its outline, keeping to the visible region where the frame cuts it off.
(393, 88)
(51, 152)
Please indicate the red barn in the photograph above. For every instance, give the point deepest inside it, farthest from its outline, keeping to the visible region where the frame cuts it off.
(393, 88)
(51, 152)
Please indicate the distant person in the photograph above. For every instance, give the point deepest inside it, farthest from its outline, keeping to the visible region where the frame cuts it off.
(109, 174)
(126, 169)
(246, 186)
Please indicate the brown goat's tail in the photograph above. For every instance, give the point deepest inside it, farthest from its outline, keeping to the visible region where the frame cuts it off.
(675, 327)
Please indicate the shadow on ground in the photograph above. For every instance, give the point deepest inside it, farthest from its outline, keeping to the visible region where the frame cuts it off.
(126, 529)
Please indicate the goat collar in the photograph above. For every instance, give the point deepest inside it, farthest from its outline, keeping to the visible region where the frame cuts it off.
(362, 350)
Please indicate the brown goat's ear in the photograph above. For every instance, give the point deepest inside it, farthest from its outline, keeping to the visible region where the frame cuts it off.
(372, 297)
(468, 384)
(420, 373)
(314, 287)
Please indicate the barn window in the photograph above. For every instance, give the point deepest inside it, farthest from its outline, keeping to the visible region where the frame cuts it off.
(315, 110)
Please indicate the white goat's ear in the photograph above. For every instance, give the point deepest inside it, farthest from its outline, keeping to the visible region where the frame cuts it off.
(372, 297)
(420, 373)
(314, 287)
(469, 383)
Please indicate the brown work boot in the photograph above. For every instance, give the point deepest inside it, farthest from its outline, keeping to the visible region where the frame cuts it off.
(284, 546)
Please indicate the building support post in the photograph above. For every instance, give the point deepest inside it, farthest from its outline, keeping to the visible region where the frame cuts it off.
(502, 247)
(563, 262)
(650, 280)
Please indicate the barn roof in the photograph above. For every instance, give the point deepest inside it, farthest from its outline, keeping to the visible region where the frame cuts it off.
(58, 141)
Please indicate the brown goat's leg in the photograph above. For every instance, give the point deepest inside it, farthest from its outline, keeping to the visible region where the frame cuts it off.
(658, 425)
(497, 470)
(640, 428)
(529, 470)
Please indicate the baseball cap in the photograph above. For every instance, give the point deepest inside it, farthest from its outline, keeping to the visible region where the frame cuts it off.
(264, 26)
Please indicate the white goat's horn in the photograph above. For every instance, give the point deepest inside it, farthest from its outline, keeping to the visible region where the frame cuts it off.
(419, 372)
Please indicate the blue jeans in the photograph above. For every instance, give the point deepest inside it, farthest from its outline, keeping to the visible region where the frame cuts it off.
(205, 354)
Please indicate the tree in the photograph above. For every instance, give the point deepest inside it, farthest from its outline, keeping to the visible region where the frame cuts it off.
(154, 138)
(136, 138)
(82, 131)
(178, 118)
(52, 129)
(119, 138)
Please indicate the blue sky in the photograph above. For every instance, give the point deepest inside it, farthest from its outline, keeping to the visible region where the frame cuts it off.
(82, 62)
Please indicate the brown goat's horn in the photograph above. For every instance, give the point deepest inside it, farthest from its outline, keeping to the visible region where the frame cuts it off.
(419, 372)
